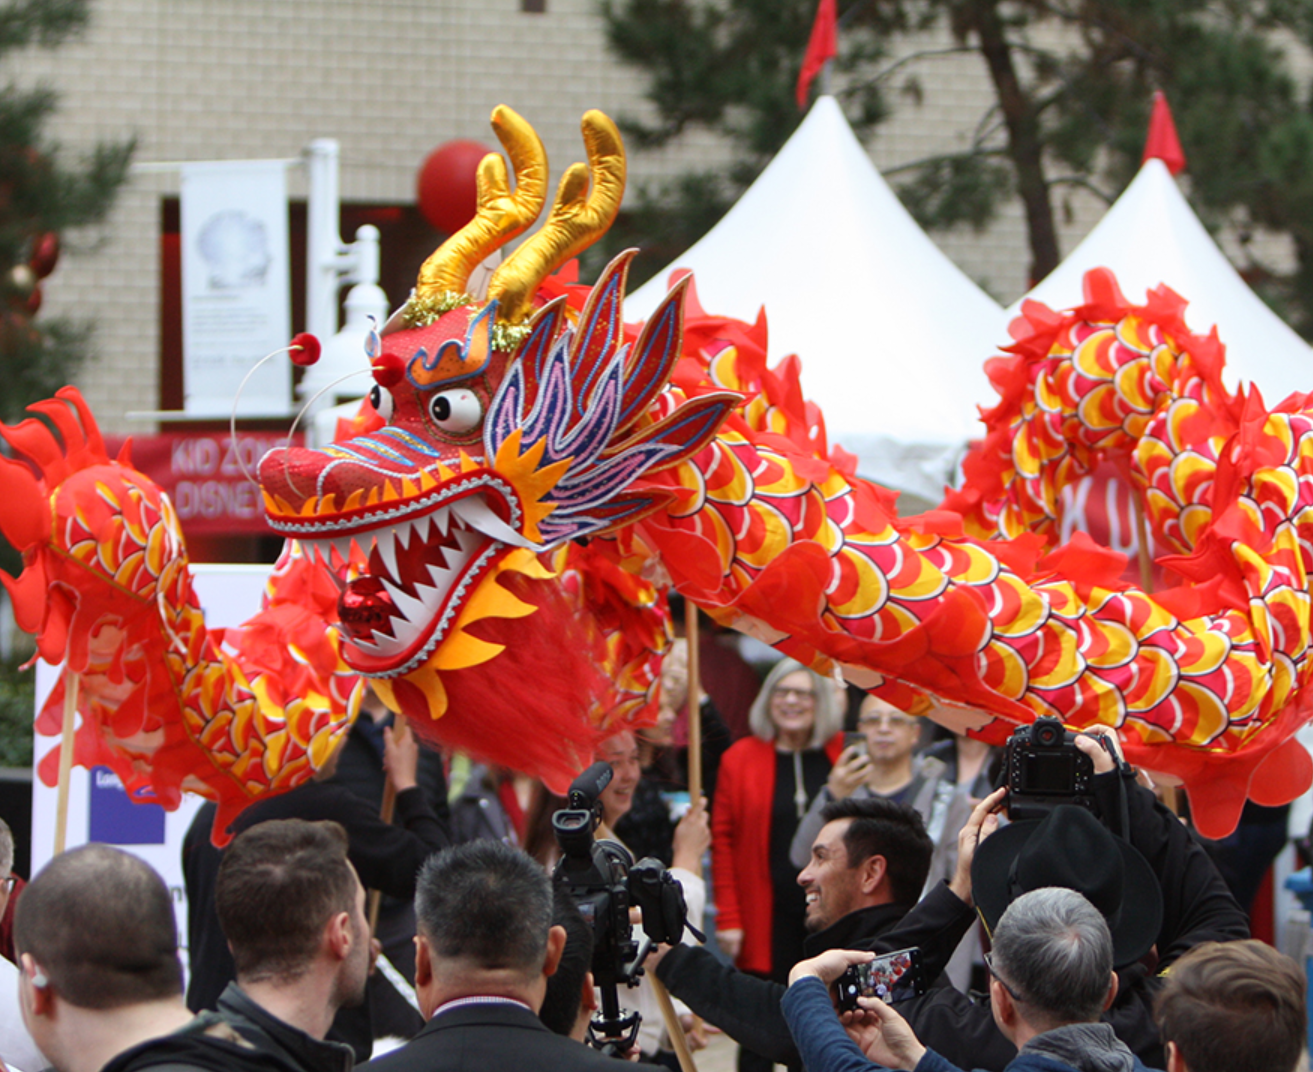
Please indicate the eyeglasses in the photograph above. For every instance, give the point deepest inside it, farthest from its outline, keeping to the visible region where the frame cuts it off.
(897, 722)
(989, 963)
(801, 695)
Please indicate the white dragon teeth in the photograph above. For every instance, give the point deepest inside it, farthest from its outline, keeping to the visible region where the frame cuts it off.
(412, 609)
(420, 527)
(442, 518)
(385, 541)
(478, 515)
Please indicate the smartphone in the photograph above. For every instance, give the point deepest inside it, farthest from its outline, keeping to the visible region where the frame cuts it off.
(854, 740)
(892, 977)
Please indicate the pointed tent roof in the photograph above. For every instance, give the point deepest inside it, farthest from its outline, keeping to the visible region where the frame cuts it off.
(893, 336)
(1152, 236)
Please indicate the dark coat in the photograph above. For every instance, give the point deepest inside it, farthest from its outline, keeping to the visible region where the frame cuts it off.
(240, 1037)
(484, 1038)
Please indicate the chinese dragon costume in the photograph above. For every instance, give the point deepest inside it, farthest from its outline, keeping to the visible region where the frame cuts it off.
(488, 551)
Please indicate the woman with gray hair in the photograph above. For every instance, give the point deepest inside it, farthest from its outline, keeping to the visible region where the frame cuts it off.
(765, 785)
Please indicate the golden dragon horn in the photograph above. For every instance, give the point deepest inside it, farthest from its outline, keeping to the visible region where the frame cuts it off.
(501, 214)
(577, 219)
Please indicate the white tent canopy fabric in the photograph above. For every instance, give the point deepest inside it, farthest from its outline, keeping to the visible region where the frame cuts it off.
(893, 336)
(1152, 236)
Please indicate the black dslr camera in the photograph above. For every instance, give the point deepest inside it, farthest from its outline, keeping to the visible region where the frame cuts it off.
(604, 881)
(1045, 768)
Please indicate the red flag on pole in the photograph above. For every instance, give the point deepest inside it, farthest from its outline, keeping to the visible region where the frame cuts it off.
(1162, 142)
(822, 46)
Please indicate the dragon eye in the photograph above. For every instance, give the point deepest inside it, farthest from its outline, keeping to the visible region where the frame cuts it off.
(456, 411)
(381, 399)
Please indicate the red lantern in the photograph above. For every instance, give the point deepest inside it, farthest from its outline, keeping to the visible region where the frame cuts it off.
(448, 195)
(45, 254)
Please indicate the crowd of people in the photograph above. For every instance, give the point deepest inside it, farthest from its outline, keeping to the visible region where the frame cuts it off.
(1091, 938)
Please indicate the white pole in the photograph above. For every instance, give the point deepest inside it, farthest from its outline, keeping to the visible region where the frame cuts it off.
(323, 239)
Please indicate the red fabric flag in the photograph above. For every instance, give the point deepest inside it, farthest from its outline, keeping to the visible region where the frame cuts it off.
(1162, 142)
(822, 46)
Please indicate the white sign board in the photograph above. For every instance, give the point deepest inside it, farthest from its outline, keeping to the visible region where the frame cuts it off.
(98, 808)
(236, 287)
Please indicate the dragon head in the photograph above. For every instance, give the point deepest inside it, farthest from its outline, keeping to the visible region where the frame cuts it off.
(507, 426)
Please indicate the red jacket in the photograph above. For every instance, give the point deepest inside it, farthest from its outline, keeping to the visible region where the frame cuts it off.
(740, 845)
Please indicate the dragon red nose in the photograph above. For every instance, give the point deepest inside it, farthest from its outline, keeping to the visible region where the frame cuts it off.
(364, 606)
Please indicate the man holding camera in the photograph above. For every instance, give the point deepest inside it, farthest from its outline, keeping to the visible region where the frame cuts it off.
(485, 949)
(1052, 977)
(868, 866)
(1127, 854)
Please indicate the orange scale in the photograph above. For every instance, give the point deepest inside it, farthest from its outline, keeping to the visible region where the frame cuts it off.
(1135, 384)
(893, 621)
(1093, 358)
(766, 535)
(1136, 333)
(1151, 679)
(1097, 411)
(858, 588)
(1059, 662)
(915, 578)
(1002, 670)
(727, 479)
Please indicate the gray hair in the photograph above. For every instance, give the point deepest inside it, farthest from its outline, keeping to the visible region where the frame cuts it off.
(1053, 950)
(6, 849)
(829, 719)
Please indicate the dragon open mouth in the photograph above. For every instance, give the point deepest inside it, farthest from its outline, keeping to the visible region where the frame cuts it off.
(403, 586)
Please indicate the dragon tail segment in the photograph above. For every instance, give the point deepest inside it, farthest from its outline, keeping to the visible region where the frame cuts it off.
(106, 589)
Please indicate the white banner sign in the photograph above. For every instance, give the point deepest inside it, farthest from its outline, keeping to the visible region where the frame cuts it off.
(236, 291)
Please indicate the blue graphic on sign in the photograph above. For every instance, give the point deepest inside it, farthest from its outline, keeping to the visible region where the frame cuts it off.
(115, 820)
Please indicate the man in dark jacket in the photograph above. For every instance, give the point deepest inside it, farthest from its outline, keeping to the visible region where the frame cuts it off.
(293, 912)
(385, 857)
(868, 865)
(485, 949)
(1052, 978)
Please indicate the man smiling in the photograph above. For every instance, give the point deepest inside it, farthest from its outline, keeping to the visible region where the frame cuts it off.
(868, 865)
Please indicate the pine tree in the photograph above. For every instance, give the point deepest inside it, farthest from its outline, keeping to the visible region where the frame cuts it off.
(42, 195)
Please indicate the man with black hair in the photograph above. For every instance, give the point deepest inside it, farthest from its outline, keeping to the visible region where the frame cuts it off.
(1233, 1007)
(484, 952)
(868, 866)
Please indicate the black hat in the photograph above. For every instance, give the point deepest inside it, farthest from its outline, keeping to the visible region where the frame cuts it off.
(1070, 848)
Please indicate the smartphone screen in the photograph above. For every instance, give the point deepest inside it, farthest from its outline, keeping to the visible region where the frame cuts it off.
(892, 977)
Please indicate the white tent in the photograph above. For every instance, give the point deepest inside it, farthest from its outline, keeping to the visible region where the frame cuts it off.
(1152, 236)
(892, 336)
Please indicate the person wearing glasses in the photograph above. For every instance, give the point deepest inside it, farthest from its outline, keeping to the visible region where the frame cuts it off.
(884, 765)
(1051, 978)
(766, 783)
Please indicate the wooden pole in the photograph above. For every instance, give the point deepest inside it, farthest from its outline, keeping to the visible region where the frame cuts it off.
(694, 703)
(387, 809)
(65, 759)
(1167, 792)
(673, 1027)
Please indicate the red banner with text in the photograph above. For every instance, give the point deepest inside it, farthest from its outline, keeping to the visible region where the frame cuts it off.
(203, 475)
